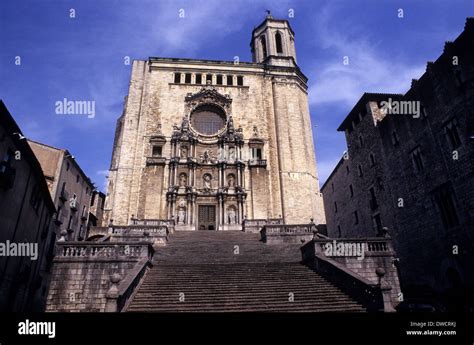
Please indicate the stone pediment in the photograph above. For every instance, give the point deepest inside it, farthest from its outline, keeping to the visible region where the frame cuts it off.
(208, 95)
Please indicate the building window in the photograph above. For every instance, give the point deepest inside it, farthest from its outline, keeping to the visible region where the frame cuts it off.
(373, 199)
(444, 200)
(279, 45)
(208, 78)
(157, 151)
(230, 80)
(177, 78)
(377, 223)
(256, 153)
(240, 80)
(208, 119)
(347, 170)
(187, 78)
(198, 78)
(395, 140)
(339, 231)
(35, 199)
(372, 159)
(219, 79)
(77, 178)
(335, 207)
(417, 159)
(83, 211)
(361, 173)
(452, 134)
(68, 166)
(69, 224)
(264, 46)
(361, 140)
(351, 190)
(356, 218)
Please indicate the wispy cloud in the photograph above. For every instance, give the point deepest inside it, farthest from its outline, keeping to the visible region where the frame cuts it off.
(368, 70)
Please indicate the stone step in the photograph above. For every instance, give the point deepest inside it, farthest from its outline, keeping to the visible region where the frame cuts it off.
(203, 266)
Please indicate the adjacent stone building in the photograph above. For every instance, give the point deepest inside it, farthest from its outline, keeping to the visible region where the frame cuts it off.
(26, 227)
(411, 170)
(70, 189)
(210, 144)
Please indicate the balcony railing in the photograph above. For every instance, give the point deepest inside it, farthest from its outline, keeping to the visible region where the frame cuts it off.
(155, 161)
(258, 163)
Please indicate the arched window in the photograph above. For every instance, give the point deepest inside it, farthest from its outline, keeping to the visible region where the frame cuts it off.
(208, 119)
(279, 46)
(264, 45)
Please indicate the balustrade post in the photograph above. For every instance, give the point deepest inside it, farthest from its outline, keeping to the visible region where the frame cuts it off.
(386, 291)
(113, 294)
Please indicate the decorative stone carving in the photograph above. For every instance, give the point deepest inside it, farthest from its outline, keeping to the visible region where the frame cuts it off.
(231, 153)
(207, 182)
(232, 215)
(184, 151)
(183, 179)
(231, 180)
(181, 213)
(207, 157)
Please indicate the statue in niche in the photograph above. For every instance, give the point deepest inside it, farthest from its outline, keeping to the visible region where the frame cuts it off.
(207, 181)
(207, 157)
(181, 213)
(255, 131)
(184, 152)
(231, 180)
(231, 153)
(231, 214)
(183, 179)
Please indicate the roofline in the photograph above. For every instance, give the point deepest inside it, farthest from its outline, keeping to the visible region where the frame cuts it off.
(366, 97)
(9, 123)
(273, 20)
(221, 62)
(65, 153)
(332, 173)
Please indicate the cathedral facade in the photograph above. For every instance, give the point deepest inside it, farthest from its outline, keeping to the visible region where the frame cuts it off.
(210, 144)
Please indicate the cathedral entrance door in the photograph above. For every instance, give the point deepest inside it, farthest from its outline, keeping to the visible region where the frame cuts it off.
(207, 217)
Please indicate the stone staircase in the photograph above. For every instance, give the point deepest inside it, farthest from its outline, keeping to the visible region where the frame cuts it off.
(232, 271)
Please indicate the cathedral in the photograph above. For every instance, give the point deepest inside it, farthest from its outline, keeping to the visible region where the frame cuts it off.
(211, 144)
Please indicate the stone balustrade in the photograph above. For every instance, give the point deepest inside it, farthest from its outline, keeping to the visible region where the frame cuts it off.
(100, 250)
(83, 275)
(152, 222)
(157, 234)
(256, 225)
(363, 267)
(280, 233)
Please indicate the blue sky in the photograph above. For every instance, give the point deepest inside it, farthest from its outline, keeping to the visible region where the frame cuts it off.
(82, 58)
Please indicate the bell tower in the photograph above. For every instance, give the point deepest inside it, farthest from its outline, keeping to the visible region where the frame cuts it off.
(273, 43)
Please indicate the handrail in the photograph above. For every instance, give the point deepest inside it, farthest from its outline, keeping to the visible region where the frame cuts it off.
(128, 286)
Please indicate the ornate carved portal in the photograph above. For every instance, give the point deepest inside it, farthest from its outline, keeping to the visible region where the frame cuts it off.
(206, 188)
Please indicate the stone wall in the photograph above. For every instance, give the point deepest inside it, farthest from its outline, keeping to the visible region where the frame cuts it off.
(82, 272)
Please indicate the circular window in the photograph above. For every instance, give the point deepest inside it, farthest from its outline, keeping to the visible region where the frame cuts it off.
(208, 119)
